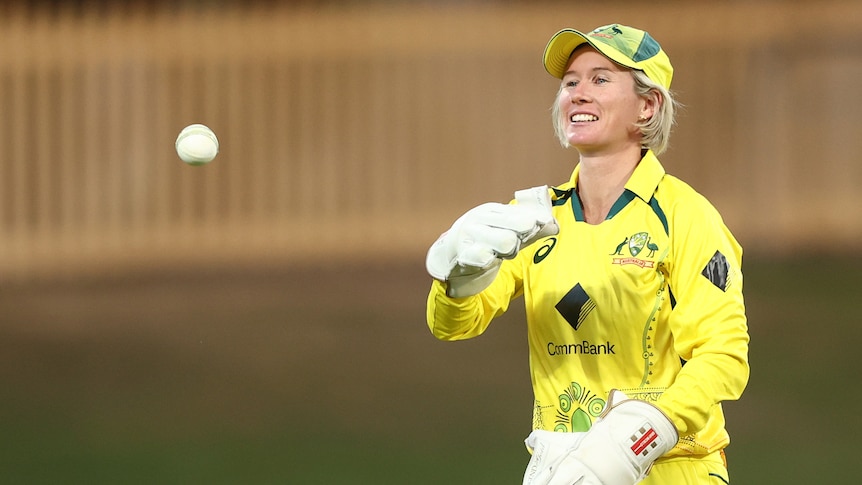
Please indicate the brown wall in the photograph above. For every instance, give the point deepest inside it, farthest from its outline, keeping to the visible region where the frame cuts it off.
(365, 130)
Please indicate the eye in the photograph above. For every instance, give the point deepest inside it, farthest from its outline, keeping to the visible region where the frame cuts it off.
(570, 83)
(602, 80)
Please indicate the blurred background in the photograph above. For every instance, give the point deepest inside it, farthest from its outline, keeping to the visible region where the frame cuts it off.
(261, 319)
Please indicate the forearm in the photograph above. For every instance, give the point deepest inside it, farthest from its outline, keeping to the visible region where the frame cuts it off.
(455, 318)
(702, 383)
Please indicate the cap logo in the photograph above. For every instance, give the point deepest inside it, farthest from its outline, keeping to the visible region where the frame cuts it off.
(635, 49)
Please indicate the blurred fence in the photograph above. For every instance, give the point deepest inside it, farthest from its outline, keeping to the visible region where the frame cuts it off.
(364, 131)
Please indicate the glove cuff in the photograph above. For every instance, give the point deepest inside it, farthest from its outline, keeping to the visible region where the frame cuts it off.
(623, 443)
(648, 442)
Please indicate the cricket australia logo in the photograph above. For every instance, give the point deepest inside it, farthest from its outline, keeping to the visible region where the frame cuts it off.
(634, 245)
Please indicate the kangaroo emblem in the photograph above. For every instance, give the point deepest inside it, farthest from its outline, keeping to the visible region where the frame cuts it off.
(620, 247)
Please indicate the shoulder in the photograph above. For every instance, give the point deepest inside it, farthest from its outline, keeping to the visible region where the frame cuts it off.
(680, 199)
(688, 213)
(693, 219)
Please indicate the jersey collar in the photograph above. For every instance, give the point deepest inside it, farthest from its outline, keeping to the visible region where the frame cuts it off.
(646, 177)
(642, 184)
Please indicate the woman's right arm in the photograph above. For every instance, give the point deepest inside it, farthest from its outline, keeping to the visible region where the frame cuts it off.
(462, 318)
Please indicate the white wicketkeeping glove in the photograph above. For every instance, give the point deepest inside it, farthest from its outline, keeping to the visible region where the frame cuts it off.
(549, 450)
(619, 448)
(467, 257)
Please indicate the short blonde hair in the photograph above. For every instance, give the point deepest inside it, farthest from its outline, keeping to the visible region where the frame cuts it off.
(655, 130)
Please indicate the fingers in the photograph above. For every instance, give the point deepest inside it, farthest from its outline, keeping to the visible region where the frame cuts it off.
(551, 463)
(538, 199)
(527, 222)
(480, 244)
(488, 233)
(522, 220)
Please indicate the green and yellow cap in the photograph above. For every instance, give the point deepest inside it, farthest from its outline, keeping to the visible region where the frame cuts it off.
(624, 45)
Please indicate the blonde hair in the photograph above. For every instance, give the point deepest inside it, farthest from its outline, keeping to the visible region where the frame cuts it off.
(655, 131)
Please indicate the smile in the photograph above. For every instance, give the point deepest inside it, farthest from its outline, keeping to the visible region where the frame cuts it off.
(580, 118)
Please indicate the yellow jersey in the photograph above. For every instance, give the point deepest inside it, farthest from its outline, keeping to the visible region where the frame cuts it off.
(648, 302)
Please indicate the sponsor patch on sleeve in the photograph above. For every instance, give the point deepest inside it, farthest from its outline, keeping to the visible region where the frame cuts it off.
(717, 271)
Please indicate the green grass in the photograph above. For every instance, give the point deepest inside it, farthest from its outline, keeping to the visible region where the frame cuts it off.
(270, 378)
(278, 455)
(796, 422)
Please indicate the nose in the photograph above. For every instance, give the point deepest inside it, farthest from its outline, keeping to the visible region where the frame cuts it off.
(578, 96)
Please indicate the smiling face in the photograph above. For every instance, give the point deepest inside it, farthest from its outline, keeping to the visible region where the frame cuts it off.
(597, 105)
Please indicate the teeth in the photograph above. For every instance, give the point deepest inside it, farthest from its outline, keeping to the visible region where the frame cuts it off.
(583, 117)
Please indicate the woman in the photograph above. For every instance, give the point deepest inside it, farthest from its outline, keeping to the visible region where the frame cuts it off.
(632, 282)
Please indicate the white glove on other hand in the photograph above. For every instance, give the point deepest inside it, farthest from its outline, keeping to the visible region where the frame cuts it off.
(467, 257)
(549, 450)
(619, 448)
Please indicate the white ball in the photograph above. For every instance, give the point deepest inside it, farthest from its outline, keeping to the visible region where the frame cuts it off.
(197, 145)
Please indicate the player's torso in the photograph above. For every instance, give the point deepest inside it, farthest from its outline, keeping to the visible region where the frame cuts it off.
(597, 303)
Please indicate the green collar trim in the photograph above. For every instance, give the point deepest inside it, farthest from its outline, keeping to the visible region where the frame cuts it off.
(641, 184)
(624, 200)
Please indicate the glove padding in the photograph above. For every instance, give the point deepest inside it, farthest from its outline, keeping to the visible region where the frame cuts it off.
(550, 451)
(619, 448)
(467, 257)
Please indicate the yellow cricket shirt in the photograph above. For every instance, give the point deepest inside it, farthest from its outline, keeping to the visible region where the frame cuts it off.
(649, 302)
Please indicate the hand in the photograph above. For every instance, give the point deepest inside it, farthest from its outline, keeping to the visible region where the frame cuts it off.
(467, 257)
(619, 448)
(549, 451)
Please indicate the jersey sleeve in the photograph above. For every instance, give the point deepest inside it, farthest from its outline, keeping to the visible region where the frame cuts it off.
(708, 320)
(462, 318)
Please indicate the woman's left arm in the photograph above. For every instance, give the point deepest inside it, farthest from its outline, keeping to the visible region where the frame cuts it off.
(708, 322)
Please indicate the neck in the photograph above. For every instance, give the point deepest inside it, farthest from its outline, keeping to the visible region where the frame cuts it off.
(601, 181)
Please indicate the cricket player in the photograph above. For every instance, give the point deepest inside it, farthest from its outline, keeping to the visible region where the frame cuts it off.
(632, 283)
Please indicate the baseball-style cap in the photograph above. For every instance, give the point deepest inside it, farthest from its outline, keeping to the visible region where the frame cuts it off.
(624, 45)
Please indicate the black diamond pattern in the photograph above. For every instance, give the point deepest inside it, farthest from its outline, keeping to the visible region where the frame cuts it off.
(717, 270)
(575, 306)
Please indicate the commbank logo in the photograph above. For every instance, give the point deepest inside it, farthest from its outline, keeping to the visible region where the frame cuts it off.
(575, 306)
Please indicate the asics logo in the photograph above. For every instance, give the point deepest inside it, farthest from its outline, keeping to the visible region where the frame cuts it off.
(544, 250)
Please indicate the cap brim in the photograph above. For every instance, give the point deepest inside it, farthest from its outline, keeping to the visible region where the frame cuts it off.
(563, 43)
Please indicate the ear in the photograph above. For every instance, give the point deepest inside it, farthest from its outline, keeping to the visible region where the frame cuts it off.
(650, 105)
